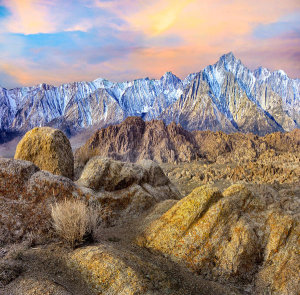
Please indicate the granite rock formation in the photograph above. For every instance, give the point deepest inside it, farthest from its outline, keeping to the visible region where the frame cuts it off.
(112, 270)
(26, 193)
(235, 236)
(126, 189)
(49, 149)
(122, 191)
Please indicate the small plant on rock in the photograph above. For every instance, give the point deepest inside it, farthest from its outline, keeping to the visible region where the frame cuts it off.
(71, 220)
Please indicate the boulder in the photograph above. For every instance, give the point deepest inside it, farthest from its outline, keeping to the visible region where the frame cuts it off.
(119, 190)
(126, 189)
(110, 271)
(104, 173)
(49, 149)
(155, 175)
(110, 175)
(25, 197)
(235, 236)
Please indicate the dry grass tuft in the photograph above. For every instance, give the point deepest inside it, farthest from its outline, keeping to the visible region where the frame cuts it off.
(71, 220)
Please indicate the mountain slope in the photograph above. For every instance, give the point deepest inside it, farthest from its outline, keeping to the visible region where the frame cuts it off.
(134, 140)
(225, 96)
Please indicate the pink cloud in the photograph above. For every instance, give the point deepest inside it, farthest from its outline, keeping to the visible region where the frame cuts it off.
(30, 16)
(206, 30)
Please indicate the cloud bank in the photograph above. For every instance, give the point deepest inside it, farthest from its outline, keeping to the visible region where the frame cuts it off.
(58, 41)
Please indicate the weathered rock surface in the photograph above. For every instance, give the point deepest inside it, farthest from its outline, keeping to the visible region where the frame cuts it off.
(121, 189)
(112, 272)
(195, 158)
(49, 149)
(109, 270)
(235, 236)
(125, 188)
(269, 168)
(113, 175)
(25, 196)
(135, 140)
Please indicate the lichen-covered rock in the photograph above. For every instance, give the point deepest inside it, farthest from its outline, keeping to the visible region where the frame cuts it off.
(104, 173)
(110, 270)
(25, 197)
(281, 268)
(122, 190)
(235, 236)
(49, 149)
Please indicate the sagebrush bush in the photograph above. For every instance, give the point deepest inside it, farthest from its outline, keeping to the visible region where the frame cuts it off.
(72, 220)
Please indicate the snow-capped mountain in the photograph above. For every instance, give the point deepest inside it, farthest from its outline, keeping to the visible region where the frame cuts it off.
(225, 96)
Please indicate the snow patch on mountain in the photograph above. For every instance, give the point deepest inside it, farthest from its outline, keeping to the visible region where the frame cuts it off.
(86, 103)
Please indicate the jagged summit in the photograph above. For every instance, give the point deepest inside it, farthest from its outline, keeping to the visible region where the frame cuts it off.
(169, 75)
(225, 96)
(228, 56)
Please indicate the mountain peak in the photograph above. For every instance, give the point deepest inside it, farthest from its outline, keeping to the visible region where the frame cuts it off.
(262, 73)
(229, 61)
(169, 76)
(221, 90)
(229, 56)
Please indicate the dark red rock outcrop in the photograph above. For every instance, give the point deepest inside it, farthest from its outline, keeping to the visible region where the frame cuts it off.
(134, 140)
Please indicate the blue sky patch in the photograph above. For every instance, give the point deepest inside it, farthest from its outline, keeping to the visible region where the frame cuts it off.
(4, 12)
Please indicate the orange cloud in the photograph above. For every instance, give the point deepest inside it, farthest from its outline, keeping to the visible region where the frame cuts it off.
(209, 29)
(205, 17)
(158, 17)
(30, 16)
(204, 29)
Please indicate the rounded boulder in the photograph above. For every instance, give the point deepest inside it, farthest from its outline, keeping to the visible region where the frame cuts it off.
(49, 149)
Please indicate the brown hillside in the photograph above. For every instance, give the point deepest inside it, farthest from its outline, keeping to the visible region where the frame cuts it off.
(134, 140)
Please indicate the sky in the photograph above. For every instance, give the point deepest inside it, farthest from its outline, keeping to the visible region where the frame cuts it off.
(59, 41)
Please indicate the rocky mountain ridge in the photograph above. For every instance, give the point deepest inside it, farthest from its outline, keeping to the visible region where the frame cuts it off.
(225, 96)
(198, 157)
(134, 140)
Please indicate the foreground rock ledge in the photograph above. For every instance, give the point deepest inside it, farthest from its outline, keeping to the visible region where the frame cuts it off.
(122, 191)
(49, 149)
(109, 270)
(234, 236)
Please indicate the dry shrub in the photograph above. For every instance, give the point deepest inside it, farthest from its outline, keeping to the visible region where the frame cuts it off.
(71, 220)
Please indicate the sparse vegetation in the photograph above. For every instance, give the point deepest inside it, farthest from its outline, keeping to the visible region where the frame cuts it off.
(73, 220)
